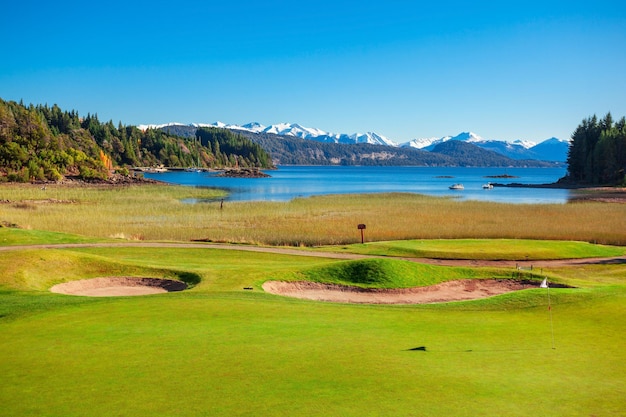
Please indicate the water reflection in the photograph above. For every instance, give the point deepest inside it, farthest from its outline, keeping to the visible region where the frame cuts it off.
(288, 183)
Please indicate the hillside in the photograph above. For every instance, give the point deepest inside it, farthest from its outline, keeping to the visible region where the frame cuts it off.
(41, 143)
(469, 154)
(295, 151)
(552, 149)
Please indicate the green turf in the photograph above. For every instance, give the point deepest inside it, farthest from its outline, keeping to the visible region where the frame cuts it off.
(10, 236)
(251, 354)
(221, 350)
(390, 273)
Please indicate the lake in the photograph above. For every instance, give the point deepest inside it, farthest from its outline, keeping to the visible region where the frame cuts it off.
(289, 182)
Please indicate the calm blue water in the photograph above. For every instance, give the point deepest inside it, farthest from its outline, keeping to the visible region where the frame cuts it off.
(289, 182)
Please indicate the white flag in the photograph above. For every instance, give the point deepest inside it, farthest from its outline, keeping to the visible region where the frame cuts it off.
(544, 283)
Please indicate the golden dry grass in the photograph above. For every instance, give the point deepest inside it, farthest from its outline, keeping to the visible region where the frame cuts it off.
(157, 212)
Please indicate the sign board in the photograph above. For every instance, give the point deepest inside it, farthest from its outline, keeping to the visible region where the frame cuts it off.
(361, 227)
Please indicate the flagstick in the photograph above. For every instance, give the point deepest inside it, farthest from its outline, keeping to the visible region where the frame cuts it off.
(550, 312)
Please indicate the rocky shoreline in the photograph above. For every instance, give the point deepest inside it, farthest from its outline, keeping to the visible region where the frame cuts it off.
(583, 192)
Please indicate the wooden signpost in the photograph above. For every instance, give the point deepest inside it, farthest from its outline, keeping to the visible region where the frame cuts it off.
(361, 227)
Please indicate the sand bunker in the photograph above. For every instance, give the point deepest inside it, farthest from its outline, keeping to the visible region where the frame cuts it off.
(118, 286)
(469, 289)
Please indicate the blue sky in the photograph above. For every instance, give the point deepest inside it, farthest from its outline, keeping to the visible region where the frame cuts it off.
(404, 69)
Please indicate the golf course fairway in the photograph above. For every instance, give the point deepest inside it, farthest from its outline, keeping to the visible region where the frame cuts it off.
(225, 347)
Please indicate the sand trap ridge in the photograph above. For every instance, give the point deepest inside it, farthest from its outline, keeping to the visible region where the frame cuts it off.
(467, 289)
(118, 286)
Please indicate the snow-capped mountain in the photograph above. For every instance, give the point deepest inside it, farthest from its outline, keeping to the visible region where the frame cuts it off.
(299, 131)
(515, 150)
(294, 129)
(422, 143)
(553, 149)
(161, 126)
(172, 124)
(550, 150)
(429, 143)
(525, 143)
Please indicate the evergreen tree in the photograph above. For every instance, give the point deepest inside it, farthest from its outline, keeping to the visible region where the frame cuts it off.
(597, 153)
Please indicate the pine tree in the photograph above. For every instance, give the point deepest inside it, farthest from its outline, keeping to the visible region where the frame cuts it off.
(597, 153)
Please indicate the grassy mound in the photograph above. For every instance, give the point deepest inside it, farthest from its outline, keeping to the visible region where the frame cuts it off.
(390, 273)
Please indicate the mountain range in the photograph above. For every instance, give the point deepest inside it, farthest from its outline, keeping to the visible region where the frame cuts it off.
(553, 149)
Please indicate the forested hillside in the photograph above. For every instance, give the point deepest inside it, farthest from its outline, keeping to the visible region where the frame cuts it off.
(597, 153)
(42, 143)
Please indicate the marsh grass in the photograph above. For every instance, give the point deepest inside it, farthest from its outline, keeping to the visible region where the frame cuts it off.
(157, 212)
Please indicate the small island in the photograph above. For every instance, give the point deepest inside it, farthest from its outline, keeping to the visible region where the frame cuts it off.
(500, 176)
(243, 173)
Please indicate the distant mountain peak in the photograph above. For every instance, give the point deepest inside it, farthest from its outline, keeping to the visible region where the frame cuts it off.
(467, 137)
(524, 143)
(552, 149)
(159, 126)
(254, 125)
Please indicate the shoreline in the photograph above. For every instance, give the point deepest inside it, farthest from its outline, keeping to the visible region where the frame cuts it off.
(604, 194)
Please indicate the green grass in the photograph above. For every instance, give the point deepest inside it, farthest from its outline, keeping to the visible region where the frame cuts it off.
(247, 354)
(218, 349)
(12, 236)
(505, 249)
(386, 273)
(39, 270)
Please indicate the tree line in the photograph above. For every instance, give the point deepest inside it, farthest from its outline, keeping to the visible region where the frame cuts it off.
(42, 143)
(597, 152)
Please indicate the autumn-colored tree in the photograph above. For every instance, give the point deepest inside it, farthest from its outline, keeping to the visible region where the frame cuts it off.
(106, 160)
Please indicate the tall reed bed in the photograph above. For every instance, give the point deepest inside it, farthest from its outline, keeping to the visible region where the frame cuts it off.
(158, 212)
